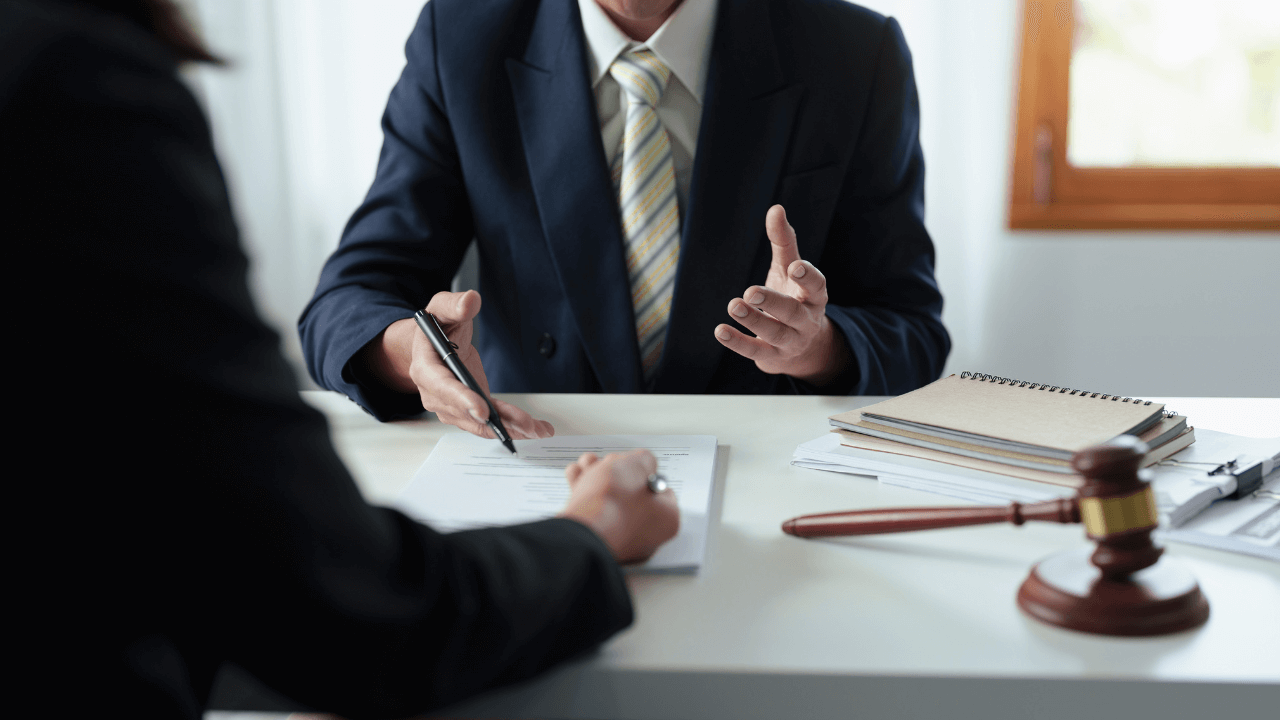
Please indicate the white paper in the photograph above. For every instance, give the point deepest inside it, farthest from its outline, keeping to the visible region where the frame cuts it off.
(469, 482)
(1182, 483)
(1250, 525)
(826, 453)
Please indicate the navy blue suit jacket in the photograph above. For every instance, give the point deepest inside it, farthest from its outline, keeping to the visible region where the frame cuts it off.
(491, 133)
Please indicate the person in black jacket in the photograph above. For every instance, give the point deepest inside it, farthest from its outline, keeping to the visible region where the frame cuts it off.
(190, 509)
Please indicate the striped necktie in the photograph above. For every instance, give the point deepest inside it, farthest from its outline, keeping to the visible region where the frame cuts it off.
(645, 182)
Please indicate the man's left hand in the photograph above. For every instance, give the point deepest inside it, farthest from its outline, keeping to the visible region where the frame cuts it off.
(793, 334)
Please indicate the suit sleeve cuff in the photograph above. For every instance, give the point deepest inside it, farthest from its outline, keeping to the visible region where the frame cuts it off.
(342, 373)
(379, 401)
(846, 381)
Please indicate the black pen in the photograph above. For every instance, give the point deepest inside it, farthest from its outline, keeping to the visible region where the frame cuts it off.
(448, 352)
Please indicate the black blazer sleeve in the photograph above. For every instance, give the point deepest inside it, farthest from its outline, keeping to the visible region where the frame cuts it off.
(195, 507)
(404, 243)
(878, 255)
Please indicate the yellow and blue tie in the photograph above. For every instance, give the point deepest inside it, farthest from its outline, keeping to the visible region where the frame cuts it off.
(645, 182)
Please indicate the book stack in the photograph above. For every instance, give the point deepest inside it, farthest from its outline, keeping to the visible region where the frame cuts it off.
(1010, 427)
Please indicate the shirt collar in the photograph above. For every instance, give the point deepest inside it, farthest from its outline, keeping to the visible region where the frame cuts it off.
(683, 43)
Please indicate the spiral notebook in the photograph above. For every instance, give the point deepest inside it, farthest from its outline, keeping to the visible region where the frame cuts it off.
(1011, 419)
(1163, 439)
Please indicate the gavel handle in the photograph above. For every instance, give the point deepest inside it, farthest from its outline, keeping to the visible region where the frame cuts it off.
(891, 520)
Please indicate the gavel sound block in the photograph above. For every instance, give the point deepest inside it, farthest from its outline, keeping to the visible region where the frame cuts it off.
(1121, 587)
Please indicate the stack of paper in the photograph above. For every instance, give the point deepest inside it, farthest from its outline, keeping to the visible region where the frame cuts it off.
(1189, 481)
(831, 454)
(469, 482)
(1249, 525)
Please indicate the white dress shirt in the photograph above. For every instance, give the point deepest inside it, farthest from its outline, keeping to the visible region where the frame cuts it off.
(683, 44)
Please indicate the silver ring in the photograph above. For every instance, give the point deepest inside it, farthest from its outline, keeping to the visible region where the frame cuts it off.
(657, 483)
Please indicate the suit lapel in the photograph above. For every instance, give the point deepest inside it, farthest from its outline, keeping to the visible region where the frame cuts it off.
(571, 186)
(745, 129)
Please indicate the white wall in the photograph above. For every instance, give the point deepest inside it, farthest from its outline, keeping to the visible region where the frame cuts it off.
(1151, 313)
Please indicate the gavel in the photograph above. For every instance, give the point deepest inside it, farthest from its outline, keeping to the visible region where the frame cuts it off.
(1122, 587)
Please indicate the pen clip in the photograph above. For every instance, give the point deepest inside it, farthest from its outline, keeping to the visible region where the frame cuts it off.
(452, 345)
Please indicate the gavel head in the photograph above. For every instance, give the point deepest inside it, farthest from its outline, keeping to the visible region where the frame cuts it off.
(1117, 506)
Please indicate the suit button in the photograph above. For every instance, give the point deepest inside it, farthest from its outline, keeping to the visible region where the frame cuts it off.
(547, 345)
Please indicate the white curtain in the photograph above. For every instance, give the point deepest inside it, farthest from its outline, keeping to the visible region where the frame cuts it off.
(296, 120)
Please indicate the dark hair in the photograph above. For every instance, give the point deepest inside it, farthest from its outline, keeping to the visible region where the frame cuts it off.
(165, 21)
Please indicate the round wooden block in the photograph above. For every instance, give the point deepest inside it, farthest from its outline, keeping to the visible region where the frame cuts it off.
(1068, 591)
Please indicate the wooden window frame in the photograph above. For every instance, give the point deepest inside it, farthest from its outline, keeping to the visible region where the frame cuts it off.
(1049, 193)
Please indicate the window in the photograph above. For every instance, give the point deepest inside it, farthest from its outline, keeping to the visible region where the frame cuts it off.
(1148, 114)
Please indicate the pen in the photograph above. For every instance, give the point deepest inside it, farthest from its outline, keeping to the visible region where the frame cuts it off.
(448, 352)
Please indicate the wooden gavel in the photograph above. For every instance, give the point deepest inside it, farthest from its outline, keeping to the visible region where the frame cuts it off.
(1118, 511)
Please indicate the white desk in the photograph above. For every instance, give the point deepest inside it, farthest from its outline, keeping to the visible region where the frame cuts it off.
(912, 625)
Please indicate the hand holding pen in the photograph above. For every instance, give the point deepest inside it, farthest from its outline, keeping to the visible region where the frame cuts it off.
(625, 500)
(403, 359)
(448, 352)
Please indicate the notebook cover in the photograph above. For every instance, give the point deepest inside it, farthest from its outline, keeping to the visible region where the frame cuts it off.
(1017, 414)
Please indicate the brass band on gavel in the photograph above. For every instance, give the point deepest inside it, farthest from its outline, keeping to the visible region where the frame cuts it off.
(1108, 516)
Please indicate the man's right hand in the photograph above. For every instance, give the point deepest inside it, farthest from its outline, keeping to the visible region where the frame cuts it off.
(402, 359)
(612, 497)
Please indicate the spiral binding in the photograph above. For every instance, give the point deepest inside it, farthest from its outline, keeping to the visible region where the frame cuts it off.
(983, 377)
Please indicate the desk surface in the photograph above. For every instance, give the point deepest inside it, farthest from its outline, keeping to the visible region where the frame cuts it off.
(923, 622)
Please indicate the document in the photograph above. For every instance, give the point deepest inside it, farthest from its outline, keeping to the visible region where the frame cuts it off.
(829, 453)
(470, 482)
(1249, 525)
(1213, 468)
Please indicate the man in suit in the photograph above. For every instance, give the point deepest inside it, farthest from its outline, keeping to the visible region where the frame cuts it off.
(188, 508)
(528, 125)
